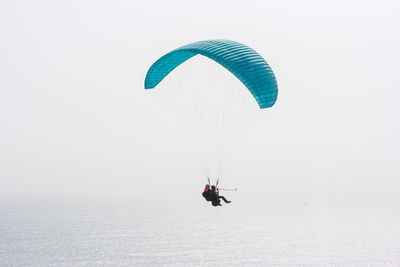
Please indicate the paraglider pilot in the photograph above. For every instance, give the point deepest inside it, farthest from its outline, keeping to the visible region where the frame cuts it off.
(212, 194)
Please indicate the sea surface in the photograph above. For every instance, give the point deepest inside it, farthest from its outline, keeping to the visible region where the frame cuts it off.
(124, 233)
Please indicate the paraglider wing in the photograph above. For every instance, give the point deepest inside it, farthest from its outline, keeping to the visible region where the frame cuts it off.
(245, 63)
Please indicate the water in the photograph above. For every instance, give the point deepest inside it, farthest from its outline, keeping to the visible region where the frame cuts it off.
(124, 233)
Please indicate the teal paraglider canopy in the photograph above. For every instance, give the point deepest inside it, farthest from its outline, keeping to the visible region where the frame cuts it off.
(242, 61)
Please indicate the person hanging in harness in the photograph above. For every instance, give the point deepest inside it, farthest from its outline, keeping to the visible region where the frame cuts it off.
(216, 197)
(207, 194)
(212, 194)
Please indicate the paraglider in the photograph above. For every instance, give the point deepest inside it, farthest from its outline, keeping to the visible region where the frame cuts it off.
(211, 193)
(242, 61)
(245, 63)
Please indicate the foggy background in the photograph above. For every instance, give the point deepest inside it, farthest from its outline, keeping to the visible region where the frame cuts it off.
(76, 122)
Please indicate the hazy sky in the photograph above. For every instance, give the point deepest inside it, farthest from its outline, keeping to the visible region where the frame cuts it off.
(75, 119)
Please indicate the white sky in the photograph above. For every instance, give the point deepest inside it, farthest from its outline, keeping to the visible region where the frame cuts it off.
(76, 121)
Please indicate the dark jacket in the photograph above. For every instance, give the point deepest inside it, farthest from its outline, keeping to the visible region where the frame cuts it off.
(214, 195)
(208, 195)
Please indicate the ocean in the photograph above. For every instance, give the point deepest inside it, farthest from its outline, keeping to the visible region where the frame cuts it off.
(61, 232)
